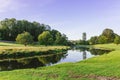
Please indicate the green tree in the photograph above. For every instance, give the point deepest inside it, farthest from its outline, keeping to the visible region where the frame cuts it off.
(109, 34)
(102, 39)
(82, 42)
(54, 33)
(58, 40)
(64, 39)
(117, 40)
(93, 40)
(10, 28)
(24, 38)
(45, 38)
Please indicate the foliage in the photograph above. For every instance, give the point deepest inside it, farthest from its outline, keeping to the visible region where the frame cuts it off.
(58, 39)
(102, 39)
(54, 33)
(61, 39)
(24, 38)
(82, 42)
(45, 38)
(93, 40)
(109, 34)
(10, 28)
(117, 40)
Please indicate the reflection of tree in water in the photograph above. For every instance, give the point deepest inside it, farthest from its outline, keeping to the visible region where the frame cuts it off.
(84, 55)
(81, 49)
(98, 51)
(32, 62)
(51, 59)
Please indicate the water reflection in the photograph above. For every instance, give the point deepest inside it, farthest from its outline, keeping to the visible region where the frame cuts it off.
(84, 55)
(32, 62)
(98, 51)
(46, 60)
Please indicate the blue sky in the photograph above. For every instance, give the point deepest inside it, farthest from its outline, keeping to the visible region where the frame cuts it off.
(72, 17)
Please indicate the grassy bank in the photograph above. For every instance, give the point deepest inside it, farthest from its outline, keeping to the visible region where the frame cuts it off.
(12, 50)
(17, 47)
(104, 67)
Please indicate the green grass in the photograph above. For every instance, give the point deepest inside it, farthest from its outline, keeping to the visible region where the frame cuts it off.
(105, 66)
(17, 50)
(13, 46)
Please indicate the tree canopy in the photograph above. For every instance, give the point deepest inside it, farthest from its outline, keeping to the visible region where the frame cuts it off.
(24, 38)
(117, 40)
(102, 39)
(45, 38)
(93, 40)
(107, 36)
(10, 28)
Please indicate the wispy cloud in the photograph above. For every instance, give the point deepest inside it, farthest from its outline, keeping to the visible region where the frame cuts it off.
(10, 5)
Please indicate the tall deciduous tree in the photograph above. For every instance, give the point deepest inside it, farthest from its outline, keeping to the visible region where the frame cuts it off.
(109, 34)
(45, 38)
(84, 36)
(24, 38)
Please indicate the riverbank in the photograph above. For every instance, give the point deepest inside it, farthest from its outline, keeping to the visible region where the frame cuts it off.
(104, 67)
(12, 50)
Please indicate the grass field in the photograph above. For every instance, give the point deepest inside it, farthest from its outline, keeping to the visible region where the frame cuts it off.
(15, 51)
(11, 48)
(104, 67)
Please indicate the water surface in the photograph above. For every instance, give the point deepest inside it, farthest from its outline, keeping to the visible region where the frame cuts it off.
(47, 60)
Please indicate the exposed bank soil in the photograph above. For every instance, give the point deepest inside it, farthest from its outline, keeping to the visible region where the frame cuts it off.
(94, 77)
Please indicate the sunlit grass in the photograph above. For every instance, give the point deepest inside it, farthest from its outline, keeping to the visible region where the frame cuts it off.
(18, 47)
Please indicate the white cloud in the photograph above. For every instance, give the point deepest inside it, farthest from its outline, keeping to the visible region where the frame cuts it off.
(9, 5)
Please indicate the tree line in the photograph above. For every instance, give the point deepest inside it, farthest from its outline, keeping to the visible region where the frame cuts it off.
(107, 36)
(26, 32)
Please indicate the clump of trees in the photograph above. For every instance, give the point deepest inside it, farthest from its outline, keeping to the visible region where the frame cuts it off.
(107, 36)
(10, 28)
(22, 30)
(93, 40)
(47, 38)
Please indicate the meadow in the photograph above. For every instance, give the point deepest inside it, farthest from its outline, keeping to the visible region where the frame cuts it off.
(13, 50)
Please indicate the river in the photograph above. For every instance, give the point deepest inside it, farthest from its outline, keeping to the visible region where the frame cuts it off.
(73, 55)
